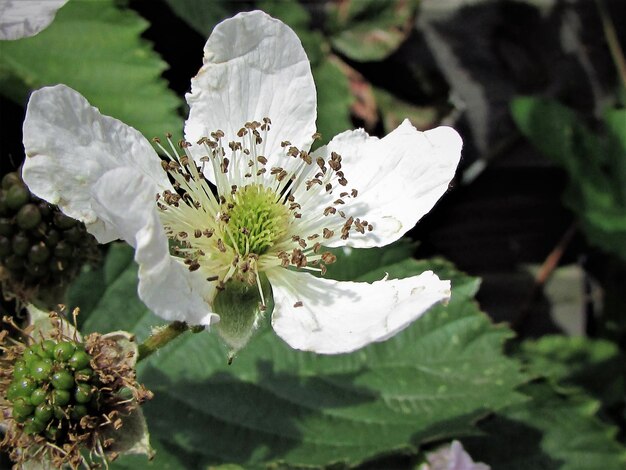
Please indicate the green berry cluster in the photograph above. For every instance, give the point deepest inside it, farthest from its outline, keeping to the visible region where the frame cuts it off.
(39, 245)
(52, 388)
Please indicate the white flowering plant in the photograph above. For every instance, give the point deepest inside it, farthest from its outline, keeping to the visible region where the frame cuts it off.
(258, 252)
(242, 200)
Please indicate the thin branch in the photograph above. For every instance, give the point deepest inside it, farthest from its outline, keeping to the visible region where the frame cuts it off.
(611, 39)
(545, 271)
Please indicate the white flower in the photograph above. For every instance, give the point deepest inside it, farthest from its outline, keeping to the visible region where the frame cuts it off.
(24, 18)
(452, 457)
(257, 206)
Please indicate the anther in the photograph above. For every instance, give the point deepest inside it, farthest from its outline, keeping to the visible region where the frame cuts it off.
(328, 257)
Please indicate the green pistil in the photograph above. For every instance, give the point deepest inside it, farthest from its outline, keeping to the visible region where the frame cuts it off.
(257, 220)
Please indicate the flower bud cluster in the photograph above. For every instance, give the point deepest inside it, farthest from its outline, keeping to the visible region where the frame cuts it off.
(39, 245)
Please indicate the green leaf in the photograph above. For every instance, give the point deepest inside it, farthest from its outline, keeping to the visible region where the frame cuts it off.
(369, 30)
(333, 100)
(200, 14)
(165, 460)
(597, 366)
(352, 263)
(107, 297)
(277, 405)
(558, 133)
(97, 49)
(553, 431)
(596, 167)
(394, 111)
(615, 120)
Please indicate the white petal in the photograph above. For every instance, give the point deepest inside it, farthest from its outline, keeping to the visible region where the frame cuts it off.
(399, 178)
(254, 67)
(452, 457)
(125, 200)
(69, 145)
(339, 317)
(24, 18)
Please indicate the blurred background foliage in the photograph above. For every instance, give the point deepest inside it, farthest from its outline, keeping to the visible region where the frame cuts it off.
(537, 211)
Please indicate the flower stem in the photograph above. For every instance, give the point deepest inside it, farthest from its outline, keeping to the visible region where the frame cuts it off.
(160, 338)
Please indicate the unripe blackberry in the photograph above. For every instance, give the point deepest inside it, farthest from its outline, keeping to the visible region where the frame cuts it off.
(6, 226)
(5, 246)
(20, 244)
(41, 249)
(43, 378)
(28, 216)
(17, 196)
(10, 179)
(60, 391)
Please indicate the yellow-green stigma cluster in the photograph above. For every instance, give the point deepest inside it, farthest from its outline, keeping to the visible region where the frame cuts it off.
(53, 386)
(257, 220)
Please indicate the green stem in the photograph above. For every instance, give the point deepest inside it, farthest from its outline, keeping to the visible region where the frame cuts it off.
(611, 39)
(161, 338)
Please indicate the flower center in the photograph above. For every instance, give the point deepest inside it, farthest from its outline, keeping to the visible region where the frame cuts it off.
(233, 213)
(257, 220)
